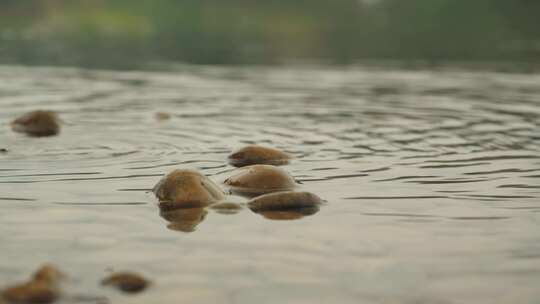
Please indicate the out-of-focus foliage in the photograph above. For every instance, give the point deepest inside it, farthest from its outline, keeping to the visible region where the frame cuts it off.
(129, 33)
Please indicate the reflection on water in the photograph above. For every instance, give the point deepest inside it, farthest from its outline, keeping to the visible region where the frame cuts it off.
(294, 214)
(185, 220)
(431, 178)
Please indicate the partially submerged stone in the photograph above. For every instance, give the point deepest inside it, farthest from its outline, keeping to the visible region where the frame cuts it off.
(163, 116)
(184, 219)
(48, 273)
(41, 289)
(260, 179)
(33, 292)
(288, 200)
(254, 155)
(126, 282)
(37, 123)
(186, 189)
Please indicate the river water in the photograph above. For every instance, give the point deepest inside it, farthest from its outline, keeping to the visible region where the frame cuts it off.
(432, 183)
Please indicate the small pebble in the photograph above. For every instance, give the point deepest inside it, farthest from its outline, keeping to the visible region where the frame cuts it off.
(33, 292)
(254, 155)
(37, 123)
(48, 273)
(186, 189)
(3, 150)
(163, 116)
(284, 201)
(184, 219)
(126, 282)
(260, 179)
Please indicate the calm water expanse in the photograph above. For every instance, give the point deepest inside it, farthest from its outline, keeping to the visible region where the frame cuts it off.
(432, 182)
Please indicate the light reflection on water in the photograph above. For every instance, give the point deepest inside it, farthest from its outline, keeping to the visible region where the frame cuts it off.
(431, 180)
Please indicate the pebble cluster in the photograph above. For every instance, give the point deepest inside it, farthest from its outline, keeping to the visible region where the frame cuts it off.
(183, 195)
(44, 286)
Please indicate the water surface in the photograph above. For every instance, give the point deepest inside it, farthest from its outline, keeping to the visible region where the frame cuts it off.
(432, 180)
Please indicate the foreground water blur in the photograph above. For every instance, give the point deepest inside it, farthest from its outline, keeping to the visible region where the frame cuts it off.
(431, 180)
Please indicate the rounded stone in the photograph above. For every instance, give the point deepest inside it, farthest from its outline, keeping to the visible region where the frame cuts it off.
(186, 189)
(288, 200)
(254, 154)
(38, 292)
(37, 123)
(260, 179)
(126, 282)
(48, 273)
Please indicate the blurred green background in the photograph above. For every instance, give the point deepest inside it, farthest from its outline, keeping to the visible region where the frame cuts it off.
(135, 33)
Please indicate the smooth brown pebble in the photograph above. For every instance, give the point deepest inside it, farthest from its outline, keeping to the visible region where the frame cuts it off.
(253, 155)
(259, 179)
(162, 116)
(186, 189)
(126, 282)
(48, 273)
(37, 123)
(284, 201)
(33, 292)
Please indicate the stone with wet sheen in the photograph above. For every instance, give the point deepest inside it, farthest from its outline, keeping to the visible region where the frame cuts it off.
(253, 155)
(48, 273)
(260, 179)
(126, 281)
(186, 189)
(42, 287)
(37, 123)
(288, 200)
(33, 292)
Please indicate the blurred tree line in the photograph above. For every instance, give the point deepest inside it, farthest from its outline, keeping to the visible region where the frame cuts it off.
(130, 33)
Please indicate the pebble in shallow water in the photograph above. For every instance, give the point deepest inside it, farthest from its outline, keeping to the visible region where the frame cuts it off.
(126, 282)
(42, 288)
(227, 208)
(37, 123)
(253, 155)
(186, 189)
(288, 200)
(260, 179)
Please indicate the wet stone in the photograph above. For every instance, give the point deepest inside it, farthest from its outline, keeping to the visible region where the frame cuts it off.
(186, 189)
(37, 123)
(260, 179)
(38, 292)
(126, 281)
(162, 116)
(253, 155)
(289, 200)
(48, 273)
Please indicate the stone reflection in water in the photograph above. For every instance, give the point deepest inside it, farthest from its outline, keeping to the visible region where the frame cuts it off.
(253, 155)
(227, 208)
(260, 179)
(294, 214)
(186, 189)
(184, 219)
